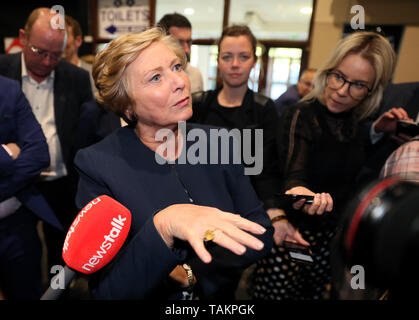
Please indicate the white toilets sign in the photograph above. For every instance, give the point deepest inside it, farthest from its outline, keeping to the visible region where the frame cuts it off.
(114, 21)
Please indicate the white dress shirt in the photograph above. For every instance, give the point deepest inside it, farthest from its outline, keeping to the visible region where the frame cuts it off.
(195, 77)
(41, 99)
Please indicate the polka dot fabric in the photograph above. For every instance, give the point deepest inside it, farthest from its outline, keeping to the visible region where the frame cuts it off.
(277, 277)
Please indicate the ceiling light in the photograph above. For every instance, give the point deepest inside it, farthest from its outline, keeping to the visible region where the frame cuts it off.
(189, 11)
(306, 10)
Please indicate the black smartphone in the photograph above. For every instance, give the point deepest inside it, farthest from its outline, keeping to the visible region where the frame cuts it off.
(298, 253)
(408, 128)
(289, 199)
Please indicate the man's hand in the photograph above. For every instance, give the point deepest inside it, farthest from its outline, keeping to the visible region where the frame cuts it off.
(14, 149)
(387, 122)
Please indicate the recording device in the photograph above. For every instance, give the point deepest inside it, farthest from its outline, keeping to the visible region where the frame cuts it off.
(380, 232)
(407, 127)
(285, 200)
(94, 238)
(298, 253)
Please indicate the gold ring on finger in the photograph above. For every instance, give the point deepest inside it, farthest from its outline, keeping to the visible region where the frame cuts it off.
(209, 235)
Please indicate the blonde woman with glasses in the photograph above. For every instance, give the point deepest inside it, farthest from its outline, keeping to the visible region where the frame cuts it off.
(323, 149)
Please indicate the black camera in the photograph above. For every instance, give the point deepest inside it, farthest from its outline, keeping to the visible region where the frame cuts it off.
(380, 232)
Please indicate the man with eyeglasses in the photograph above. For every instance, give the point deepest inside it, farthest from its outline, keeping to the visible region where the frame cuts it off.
(179, 27)
(297, 91)
(56, 89)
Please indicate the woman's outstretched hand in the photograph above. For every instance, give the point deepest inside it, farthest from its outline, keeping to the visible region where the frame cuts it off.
(196, 224)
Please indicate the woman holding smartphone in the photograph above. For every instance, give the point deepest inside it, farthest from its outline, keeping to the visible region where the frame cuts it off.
(322, 151)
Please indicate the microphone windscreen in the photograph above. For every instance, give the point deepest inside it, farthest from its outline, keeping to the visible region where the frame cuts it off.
(96, 235)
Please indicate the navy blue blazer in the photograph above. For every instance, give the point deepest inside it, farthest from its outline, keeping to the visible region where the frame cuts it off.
(95, 124)
(19, 125)
(122, 167)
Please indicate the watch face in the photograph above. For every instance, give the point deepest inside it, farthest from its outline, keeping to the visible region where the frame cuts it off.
(189, 274)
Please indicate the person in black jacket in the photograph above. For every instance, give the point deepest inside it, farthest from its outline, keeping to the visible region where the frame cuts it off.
(235, 106)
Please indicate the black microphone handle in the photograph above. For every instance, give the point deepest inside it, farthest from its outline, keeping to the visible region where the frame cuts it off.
(54, 294)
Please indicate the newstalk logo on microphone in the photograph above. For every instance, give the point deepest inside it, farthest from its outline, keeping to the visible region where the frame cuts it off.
(96, 234)
(77, 220)
(117, 225)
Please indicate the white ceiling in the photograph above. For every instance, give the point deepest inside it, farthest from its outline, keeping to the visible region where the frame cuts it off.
(269, 18)
(269, 10)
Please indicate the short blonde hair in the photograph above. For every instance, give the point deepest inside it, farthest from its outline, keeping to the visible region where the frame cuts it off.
(110, 64)
(372, 47)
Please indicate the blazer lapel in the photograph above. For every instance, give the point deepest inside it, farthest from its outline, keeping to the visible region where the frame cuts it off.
(60, 102)
(15, 70)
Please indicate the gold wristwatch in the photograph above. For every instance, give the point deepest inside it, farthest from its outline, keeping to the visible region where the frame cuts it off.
(190, 276)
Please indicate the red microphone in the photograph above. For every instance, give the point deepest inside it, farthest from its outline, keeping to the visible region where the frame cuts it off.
(94, 238)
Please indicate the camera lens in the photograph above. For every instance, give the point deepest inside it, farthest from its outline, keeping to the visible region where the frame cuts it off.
(380, 232)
